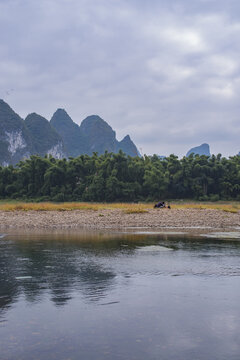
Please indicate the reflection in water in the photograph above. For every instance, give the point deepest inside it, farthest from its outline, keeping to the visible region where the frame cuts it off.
(118, 297)
(31, 268)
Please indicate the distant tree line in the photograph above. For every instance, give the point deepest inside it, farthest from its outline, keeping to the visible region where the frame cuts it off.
(117, 177)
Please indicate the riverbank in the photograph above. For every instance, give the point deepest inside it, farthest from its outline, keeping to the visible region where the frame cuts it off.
(197, 220)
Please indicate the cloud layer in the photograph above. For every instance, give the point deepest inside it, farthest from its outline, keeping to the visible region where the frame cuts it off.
(166, 72)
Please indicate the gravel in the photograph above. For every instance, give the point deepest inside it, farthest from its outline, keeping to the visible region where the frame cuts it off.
(195, 219)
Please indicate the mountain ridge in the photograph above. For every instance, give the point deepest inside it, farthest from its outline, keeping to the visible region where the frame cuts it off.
(60, 137)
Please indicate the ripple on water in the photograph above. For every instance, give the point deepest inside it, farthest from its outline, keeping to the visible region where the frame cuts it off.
(23, 259)
(153, 248)
(23, 277)
(223, 235)
(159, 232)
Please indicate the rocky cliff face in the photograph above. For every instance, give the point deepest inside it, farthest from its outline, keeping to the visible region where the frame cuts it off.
(203, 149)
(15, 140)
(44, 137)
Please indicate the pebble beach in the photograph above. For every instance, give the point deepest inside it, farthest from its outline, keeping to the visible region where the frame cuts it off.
(193, 220)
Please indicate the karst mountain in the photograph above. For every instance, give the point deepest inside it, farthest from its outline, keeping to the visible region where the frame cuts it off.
(61, 136)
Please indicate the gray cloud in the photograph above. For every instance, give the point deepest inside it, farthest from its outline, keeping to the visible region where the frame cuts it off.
(166, 72)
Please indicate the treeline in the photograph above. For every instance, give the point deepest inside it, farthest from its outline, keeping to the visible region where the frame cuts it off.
(117, 177)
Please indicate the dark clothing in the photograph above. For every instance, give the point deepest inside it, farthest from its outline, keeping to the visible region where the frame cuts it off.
(160, 204)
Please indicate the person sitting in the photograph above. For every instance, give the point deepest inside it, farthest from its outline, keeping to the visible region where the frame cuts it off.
(160, 204)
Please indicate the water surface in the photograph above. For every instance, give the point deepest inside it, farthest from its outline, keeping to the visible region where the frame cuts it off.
(141, 297)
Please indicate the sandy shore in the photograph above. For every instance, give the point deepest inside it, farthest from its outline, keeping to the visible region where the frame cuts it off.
(155, 219)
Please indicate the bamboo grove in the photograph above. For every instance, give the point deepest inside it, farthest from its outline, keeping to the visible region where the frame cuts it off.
(117, 177)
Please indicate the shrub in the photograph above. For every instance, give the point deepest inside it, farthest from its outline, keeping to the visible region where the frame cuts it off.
(214, 197)
(203, 198)
(59, 197)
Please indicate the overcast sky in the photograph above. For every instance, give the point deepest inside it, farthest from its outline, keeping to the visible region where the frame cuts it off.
(166, 72)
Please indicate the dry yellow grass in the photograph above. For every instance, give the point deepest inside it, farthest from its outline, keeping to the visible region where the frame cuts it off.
(135, 211)
(228, 207)
(48, 206)
(129, 208)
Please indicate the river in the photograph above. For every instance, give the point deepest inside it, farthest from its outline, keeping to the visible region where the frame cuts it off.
(96, 296)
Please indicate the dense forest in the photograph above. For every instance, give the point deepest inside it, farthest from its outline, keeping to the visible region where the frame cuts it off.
(117, 177)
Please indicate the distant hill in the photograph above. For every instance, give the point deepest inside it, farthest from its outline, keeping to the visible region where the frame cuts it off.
(128, 146)
(93, 135)
(60, 137)
(44, 137)
(203, 149)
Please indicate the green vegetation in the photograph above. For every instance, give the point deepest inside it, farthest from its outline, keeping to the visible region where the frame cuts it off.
(117, 177)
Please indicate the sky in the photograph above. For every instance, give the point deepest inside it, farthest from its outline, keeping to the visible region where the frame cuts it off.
(166, 72)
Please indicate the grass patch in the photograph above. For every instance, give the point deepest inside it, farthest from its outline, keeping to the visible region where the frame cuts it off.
(128, 208)
(69, 206)
(47, 206)
(135, 211)
(233, 211)
(231, 207)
